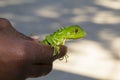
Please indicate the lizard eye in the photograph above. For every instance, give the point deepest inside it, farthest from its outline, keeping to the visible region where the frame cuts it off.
(76, 30)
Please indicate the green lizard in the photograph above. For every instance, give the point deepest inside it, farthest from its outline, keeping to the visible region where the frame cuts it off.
(61, 35)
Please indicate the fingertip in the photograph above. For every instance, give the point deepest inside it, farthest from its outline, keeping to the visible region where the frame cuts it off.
(63, 51)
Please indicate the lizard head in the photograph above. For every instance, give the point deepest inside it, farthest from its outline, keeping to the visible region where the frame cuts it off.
(74, 32)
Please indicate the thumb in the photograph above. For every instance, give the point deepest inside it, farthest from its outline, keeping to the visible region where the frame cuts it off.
(5, 24)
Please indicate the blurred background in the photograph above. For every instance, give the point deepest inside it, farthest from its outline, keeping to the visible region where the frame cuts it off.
(96, 57)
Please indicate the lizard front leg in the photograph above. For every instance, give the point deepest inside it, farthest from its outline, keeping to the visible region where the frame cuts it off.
(56, 50)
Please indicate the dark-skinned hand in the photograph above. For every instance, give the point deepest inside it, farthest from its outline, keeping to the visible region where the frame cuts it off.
(22, 57)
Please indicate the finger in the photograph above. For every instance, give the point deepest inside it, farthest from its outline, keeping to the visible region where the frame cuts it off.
(43, 53)
(8, 30)
(46, 54)
(39, 52)
(6, 27)
(39, 70)
(63, 51)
